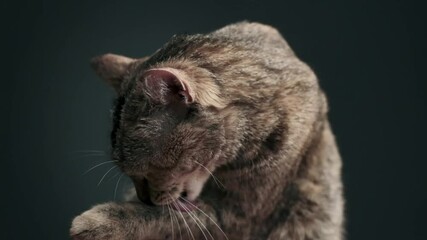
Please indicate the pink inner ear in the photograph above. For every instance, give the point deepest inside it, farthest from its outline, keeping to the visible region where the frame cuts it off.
(167, 85)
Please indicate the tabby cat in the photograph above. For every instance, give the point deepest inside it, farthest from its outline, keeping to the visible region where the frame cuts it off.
(225, 135)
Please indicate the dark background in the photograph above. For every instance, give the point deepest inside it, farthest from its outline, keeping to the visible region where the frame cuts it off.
(369, 56)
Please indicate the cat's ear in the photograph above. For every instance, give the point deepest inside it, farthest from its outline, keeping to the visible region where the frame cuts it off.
(111, 68)
(168, 85)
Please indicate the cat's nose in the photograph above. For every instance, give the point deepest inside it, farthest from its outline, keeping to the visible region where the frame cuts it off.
(153, 195)
(164, 195)
(184, 194)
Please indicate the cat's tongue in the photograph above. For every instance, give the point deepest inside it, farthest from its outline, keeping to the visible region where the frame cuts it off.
(183, 205)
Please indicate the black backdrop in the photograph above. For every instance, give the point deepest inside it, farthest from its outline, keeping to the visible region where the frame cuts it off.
(369, 56)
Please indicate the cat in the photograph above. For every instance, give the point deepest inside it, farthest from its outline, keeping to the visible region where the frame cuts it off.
(225, 135)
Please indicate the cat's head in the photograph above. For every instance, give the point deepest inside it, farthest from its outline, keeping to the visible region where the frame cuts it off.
(235, 98)
(167, 135)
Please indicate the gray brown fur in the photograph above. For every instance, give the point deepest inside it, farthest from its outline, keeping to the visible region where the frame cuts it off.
(258, 121)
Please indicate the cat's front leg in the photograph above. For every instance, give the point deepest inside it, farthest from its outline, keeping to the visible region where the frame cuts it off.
(120, 221)
(135, 220)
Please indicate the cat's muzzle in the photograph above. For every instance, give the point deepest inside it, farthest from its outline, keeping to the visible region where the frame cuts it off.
(177, 201)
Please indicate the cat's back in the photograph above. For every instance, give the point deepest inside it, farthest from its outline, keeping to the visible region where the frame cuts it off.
(257, 36)
(255, 40)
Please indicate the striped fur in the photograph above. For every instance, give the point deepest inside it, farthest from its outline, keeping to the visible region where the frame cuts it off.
(257, 120)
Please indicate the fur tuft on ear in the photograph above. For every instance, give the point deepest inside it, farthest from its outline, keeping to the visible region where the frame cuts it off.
(111, 68)
(167, 85)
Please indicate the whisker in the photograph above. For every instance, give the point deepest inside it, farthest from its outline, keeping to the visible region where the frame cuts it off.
(86, 153)
(117, 184)
(170, 215)
(188, 227)
(106, 174)
(93, 154)
(213, 176)
(90, 156)
(204, 226)
(115, 175)
(89, 150)
(177, 223)
(99, 165)
(225, 235)
(191, 215)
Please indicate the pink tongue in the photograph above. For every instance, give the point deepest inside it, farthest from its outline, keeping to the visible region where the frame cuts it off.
(183, 206)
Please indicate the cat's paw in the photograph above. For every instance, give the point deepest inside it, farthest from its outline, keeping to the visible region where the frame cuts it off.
(97, 223)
